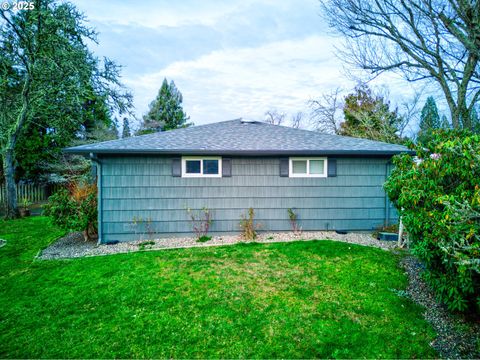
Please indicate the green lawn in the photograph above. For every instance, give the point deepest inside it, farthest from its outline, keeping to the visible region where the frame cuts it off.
(291, 300)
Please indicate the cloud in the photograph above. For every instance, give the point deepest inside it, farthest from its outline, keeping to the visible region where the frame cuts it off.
(142, 49)
(248, 81)
(228, 58)
(155, 13)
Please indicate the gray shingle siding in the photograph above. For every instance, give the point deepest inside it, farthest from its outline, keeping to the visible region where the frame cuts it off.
(143, 187)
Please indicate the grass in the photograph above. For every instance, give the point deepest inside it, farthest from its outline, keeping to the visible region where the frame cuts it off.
(291, 300)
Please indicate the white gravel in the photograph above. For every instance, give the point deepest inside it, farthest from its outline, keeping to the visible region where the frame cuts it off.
(73, 245)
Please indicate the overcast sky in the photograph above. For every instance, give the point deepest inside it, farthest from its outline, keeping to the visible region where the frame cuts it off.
(229, 59)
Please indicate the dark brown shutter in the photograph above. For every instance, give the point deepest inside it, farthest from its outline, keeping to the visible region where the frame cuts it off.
(176, 167)
(226, 167)
(284, 167)
(332, 167)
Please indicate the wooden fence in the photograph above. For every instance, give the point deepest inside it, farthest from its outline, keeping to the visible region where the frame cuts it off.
(34, 193)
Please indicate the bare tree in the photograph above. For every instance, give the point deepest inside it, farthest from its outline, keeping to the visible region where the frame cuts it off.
(409, 113)
(296, 120)
(429, 40)
(327, 112)
(274, 117)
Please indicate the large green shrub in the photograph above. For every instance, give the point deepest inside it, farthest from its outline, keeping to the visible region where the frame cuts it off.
(438, 196)
(75, 209)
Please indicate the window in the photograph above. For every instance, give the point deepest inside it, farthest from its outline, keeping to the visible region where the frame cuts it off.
(201, 166)
(308, 167)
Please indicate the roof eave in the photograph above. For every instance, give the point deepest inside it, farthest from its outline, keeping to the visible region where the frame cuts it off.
(235, 152)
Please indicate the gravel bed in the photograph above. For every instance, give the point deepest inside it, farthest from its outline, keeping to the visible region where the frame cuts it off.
(73, 245)
(456, 337)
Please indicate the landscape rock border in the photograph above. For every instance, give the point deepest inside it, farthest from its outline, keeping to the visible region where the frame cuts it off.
(73, 245)
(456, 337)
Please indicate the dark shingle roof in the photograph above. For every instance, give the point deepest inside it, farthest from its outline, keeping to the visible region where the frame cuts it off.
(238, 137)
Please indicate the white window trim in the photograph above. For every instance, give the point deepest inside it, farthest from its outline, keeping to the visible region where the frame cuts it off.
(290, 167)
(201, 158)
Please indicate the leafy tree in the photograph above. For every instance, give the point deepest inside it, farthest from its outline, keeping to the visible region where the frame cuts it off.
(50, 82)
(166, 111)
(438, 197)
(433, 41)
(126, 128)
(429, 120)
(369, 116)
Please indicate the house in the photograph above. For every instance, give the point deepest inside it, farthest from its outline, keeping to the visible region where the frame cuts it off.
(332, 182)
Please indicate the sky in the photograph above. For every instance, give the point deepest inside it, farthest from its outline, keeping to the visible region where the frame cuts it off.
(229, 59)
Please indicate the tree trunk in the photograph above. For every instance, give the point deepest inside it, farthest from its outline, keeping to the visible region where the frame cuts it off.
(9, 170)
(9, 152)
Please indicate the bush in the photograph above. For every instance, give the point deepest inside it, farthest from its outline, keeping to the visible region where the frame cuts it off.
(204, 238)
(248, 226)
(438, 197)
(201, 222)
(75, 209)
(293, 217)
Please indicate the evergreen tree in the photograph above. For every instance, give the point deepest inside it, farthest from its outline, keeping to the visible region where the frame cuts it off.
(445, 124)
(369, 116)
(475, 121)
(126, 128)
(166, 111)
(429, 120)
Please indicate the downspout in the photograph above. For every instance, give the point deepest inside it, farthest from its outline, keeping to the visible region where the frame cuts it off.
(98, 163)
(387, 207)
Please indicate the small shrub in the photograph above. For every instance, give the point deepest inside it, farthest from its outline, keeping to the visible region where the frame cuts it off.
(204, 238)
(145, 244)
(297, 230)
(248, 227)
(438, 197)
(26, 203)
(201, 222)
(143, 226)
(75, 209)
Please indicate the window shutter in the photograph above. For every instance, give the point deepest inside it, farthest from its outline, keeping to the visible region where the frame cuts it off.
(332, 167)
(284, 167)
(226, 167)
(176, 167)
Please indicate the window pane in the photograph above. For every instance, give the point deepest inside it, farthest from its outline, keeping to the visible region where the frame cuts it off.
(299, 166)
(210, 167)
(316, 167)
(193, 166)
